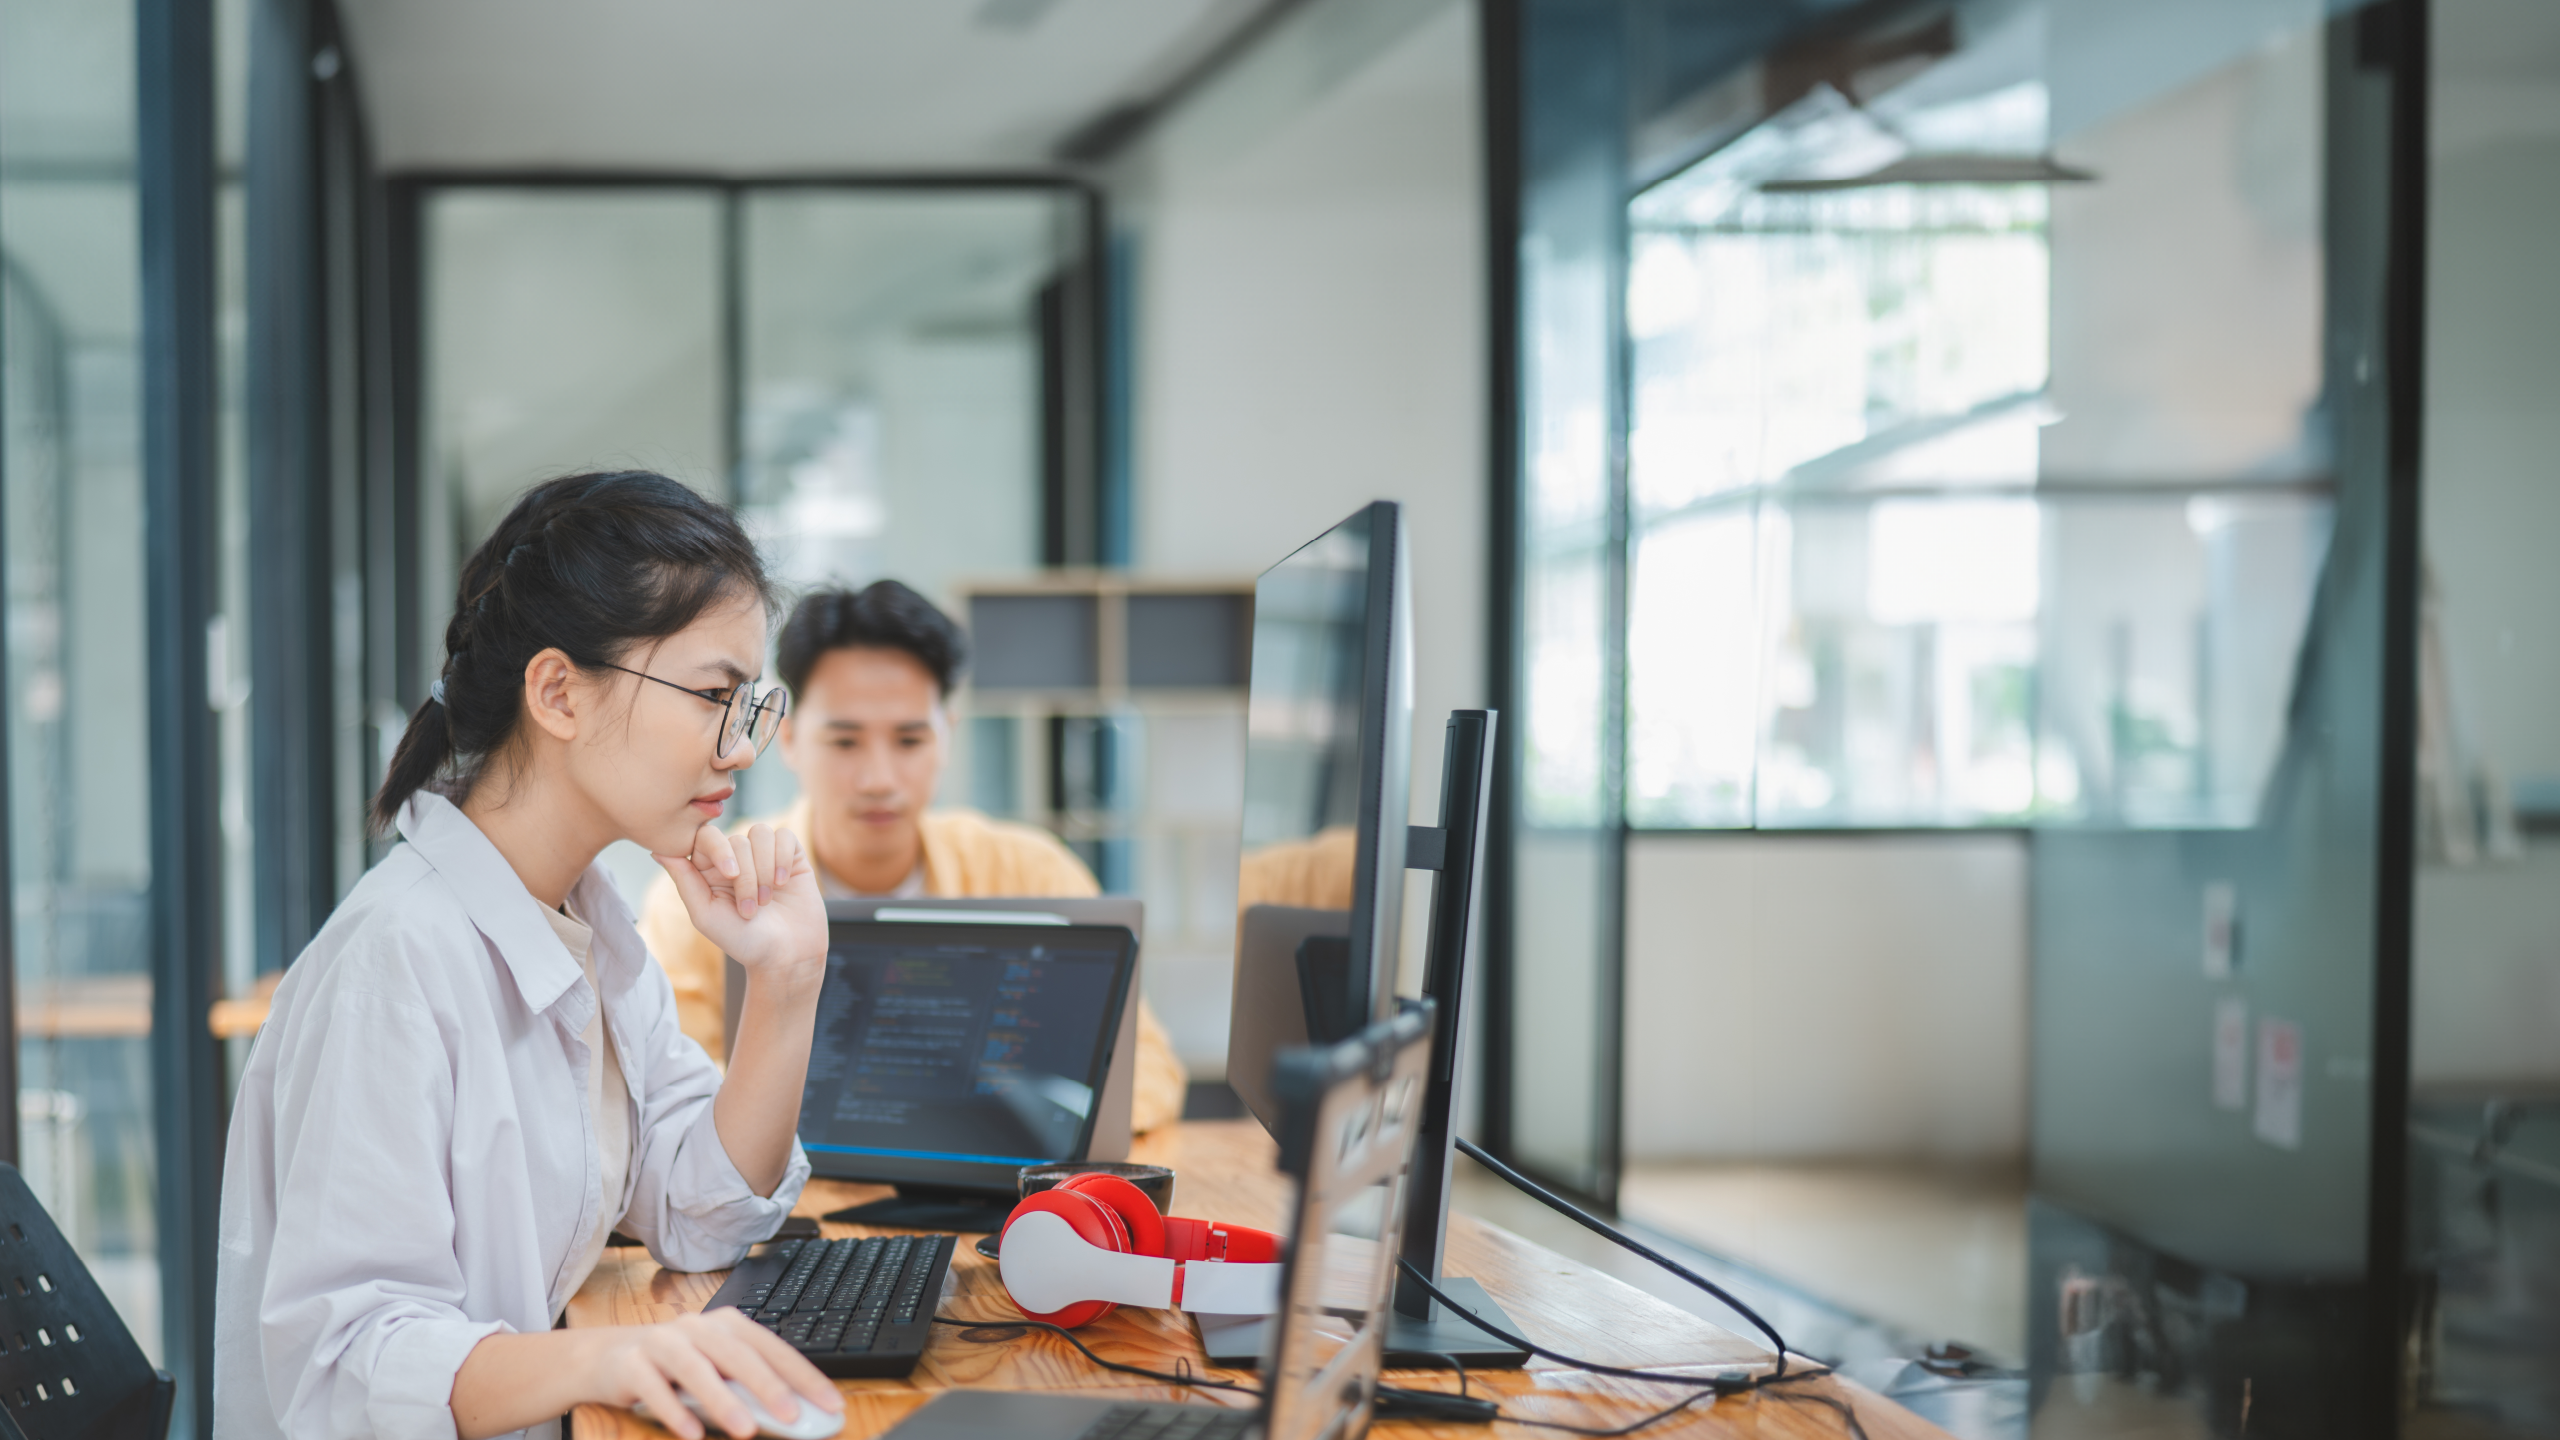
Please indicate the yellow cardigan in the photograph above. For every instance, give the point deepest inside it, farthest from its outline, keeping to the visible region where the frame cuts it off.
(965, 855)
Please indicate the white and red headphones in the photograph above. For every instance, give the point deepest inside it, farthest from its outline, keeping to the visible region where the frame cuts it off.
(1075, 1253)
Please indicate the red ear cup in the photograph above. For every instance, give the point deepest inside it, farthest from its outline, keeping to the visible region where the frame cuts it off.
(1146, 1225)
(1095, 1223)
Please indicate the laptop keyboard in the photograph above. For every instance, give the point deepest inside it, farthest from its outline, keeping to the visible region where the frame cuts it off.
(853, 1307)
(1171, 1422)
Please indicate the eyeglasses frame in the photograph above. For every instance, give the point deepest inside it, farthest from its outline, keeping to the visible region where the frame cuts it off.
(774, 696)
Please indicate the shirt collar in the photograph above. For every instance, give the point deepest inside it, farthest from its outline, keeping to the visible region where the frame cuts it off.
(503, 911)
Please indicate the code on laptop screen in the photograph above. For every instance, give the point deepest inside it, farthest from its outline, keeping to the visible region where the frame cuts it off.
(959, 1050)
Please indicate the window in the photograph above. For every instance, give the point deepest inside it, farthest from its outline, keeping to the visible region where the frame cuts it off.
(79, 812)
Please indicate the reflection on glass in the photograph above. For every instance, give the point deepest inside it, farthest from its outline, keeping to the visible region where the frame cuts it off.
(568, 330)
(227, 646)
(1297, 880)
(891, 421)
(78, 808)
(1930, 527)
(1302, 743)
(2484, 1174)
(892, 406)
(1564, 852)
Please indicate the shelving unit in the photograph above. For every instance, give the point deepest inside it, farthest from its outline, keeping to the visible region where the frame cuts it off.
(1110, 710)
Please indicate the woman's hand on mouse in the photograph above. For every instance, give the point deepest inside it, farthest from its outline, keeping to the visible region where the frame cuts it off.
(755, 895)
(648, 1363)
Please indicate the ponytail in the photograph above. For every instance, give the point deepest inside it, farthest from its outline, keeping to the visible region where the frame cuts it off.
(425, 749)
(590, 565)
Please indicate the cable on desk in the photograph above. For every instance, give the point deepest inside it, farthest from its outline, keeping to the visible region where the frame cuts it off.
(1848, 1414)
(1629, 1428)
(1612, 1233)
(972, 1331)
(1397, 1402)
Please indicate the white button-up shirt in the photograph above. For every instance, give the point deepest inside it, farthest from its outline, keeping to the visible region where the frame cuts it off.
(413, 1160)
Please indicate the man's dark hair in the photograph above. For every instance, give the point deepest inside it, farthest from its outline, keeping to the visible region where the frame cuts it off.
(883, 615)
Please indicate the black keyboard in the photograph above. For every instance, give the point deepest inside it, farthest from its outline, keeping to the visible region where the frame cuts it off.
(1171, 1422)
(854, 1307)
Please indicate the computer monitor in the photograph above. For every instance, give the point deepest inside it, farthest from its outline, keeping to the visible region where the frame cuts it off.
(1319, 886)
(1328, 752)
(950, 1055)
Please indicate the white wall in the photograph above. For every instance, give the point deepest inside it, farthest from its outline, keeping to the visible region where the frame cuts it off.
(1804, 997)
(1309, 240)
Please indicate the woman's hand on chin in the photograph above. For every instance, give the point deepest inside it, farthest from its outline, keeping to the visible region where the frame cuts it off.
(755, 895)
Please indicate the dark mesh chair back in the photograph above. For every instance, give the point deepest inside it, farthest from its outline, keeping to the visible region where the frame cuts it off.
(69, 1370)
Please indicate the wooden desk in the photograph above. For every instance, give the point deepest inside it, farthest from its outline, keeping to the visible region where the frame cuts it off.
(1224, 1170)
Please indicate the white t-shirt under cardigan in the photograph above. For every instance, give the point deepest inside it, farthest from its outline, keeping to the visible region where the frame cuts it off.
(414, 1163)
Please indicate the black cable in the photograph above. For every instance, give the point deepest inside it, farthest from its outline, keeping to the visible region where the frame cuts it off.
(1847, 1413)
(1397, 1402)
(1610, 1232)
(1016, 1327)
(1629, 1428)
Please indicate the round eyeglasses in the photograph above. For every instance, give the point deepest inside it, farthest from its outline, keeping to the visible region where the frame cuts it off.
(746, 713)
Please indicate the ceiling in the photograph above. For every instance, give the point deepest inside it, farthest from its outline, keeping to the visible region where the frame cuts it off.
(764, 85)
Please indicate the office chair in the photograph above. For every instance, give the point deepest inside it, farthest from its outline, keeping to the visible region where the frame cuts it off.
(69, 1370)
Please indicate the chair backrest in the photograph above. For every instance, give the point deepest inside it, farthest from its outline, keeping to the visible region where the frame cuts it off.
(69, 1370)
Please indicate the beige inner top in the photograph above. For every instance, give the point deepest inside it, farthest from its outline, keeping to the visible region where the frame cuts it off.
(608, 1099)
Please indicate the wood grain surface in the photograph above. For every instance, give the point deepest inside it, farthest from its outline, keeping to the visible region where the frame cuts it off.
(1223, 1170)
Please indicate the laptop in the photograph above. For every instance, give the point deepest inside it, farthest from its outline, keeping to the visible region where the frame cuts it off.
(1349, 1115)
(1111, 1135)
(950, 1054)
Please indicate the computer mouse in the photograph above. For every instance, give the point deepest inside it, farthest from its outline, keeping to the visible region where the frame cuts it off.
(812, 1423)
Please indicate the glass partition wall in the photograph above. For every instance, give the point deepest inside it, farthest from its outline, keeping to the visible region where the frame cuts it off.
(890, 380)
(2019, 434)
(79, 812)
(1553, 1008)
(2484, 1121)
(899, 404)
(191, 287)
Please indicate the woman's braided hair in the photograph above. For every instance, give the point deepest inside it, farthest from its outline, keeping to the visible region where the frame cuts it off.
(591, 565)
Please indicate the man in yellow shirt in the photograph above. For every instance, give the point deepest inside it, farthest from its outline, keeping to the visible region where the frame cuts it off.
(870, 673)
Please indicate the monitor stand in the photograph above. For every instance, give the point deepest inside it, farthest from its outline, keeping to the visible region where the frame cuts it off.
(1412, 1343)
(926, 1207)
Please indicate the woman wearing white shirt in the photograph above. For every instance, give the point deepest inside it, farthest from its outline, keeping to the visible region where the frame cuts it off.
(474, 1073)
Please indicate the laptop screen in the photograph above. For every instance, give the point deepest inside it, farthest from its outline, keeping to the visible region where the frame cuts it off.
(943, 1049)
